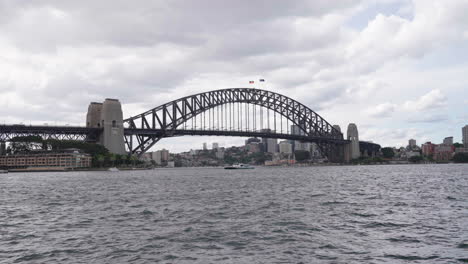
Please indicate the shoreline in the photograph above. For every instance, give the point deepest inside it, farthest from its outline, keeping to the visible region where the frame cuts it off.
(59, 169)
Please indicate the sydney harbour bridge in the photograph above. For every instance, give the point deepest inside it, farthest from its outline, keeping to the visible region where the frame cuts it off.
(241, 112)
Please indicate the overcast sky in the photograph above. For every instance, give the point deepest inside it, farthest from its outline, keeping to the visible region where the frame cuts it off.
(396, 68)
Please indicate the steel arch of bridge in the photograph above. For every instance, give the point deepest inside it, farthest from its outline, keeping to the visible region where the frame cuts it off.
(163, 121)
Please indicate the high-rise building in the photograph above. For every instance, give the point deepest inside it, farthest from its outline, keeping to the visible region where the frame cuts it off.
(297, 144)
(160, 156)
(448, 141)
(205, 146)
(412, 143)
(465, 136)
(285, 147)
(215, 145)
(270, 144)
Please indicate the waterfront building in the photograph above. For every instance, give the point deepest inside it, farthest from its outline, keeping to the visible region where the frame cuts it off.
(443, 152)
(448, 141)
(55, 160)
(410, 154)
(427, 148)
(160, 157)
(465, 136)
(215, 145)
(285, 147)
(461, 150)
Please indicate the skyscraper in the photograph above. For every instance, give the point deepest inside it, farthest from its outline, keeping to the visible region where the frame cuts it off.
(412, 143)
(448, 141)
(270, 144)
(299, 145)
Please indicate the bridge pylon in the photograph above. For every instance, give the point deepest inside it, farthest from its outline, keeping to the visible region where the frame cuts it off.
(109, 117)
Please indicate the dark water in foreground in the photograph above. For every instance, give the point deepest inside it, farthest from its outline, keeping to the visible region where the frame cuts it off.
(360, 214)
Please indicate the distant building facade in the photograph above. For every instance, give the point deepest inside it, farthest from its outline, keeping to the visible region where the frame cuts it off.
(297, 144)
(448, 141)
(443, 152)
(412, 143)
(270, 144)
(253, 147)
(428, 148)
(465, 136)
(215, 145)
(285, 147)
(62, 160)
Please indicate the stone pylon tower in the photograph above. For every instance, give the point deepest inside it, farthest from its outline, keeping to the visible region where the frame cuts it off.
(108, 115)
(93, 118)
(353, 136)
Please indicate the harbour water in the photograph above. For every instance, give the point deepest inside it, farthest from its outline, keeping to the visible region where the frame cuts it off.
(342, 214)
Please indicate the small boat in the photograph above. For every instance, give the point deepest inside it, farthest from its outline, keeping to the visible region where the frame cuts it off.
(114, 169)
(238, 167)
(3, 171)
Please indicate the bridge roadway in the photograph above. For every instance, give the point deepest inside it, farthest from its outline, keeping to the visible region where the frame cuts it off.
(7, 132)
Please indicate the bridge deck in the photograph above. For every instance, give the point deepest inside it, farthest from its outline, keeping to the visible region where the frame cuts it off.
(191, 132)
(7, 132)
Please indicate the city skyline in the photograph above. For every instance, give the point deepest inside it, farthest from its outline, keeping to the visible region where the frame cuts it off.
(395, 68)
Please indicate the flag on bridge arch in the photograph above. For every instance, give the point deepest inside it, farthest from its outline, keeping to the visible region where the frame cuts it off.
(251, 81)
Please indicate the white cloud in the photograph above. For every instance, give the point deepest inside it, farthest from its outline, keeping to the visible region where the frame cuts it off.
(382, 110)
(428, 118)
(432, 100)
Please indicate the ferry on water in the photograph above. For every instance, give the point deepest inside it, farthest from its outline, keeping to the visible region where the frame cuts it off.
(238, 167)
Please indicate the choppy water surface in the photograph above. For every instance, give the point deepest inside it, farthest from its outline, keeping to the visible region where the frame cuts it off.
(355, 214)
